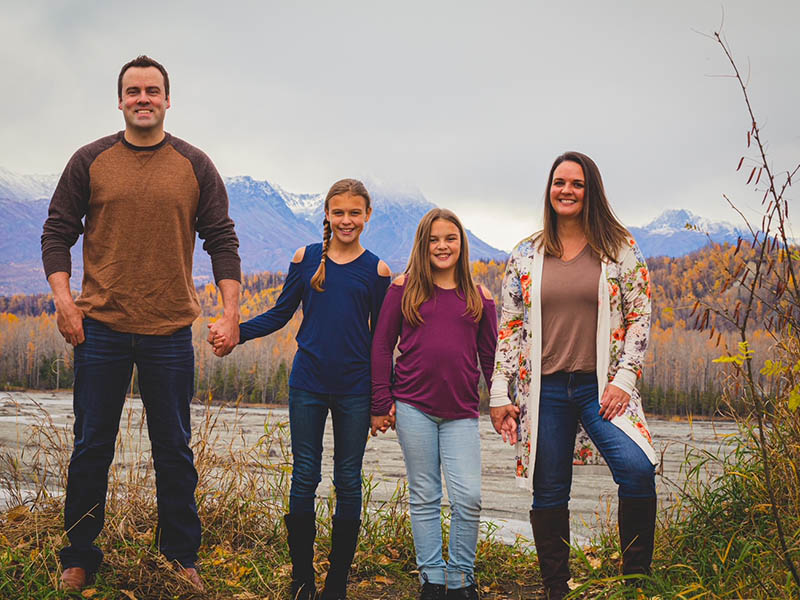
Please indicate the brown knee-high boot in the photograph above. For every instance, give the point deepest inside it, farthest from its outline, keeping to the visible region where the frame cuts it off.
(637, 523)
(551, 536)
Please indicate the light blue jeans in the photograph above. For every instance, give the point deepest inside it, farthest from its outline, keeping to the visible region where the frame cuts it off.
(431, 446)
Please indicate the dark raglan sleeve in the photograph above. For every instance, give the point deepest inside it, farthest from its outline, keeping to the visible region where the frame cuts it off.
(277, 316)
(487, 339)
(214, 225)
(387, 330)
(68, 206)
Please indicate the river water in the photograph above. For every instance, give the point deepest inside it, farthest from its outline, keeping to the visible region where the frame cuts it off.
(505, 504)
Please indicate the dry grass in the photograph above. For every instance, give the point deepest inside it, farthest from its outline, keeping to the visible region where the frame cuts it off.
(241, 495)
(717, 542)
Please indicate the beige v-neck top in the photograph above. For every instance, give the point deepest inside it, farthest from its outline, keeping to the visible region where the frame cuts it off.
(569, 313)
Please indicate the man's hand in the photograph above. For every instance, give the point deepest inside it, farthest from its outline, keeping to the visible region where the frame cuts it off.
(69, 317)
(223, 335)
(614, 402)
(504, 419)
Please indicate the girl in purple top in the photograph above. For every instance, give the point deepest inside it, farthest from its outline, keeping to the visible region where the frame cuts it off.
(445, 323)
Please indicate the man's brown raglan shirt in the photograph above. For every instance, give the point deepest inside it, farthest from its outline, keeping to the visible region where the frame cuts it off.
(142, 208)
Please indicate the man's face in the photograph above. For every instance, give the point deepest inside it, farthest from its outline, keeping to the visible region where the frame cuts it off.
(143, 101)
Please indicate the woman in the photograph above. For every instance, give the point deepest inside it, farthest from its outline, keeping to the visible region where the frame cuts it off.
(572, 338)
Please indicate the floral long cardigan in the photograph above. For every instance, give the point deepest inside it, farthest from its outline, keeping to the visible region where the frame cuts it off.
(623, 328)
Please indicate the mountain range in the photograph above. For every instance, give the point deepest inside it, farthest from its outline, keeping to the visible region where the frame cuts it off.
(272, 223)
(677, 232)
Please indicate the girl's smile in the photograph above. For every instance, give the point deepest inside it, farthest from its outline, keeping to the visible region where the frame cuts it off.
(444, 245)
(347, 214)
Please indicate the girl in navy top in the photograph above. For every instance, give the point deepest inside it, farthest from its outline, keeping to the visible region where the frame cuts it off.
(445, 324)
(341, 286)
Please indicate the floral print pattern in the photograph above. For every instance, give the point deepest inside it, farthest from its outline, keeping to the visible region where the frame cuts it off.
(630, 315)
(585, 452)
(627, 296)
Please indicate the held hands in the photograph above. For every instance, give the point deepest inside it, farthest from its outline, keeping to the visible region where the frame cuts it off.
(69, 319)
(223, 334)
(382, 423)
(614, 402)
(504, 418)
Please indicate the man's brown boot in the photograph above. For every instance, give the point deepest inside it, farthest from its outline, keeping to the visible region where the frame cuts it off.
(73, 579)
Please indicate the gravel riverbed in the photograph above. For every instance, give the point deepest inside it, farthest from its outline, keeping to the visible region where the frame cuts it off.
(505, 504)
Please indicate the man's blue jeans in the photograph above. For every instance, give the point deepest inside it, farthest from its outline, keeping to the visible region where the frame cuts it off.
(431, 446)
(307, 415)
(103, 368)
(566, 398)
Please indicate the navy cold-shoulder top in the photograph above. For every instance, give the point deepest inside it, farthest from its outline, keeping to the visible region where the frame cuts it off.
(334, 339)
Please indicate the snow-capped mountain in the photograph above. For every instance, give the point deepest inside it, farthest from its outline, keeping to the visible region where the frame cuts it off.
(668, 234)
(396, 211)
(302, 205)
(14, 186)
(271, 224)
(672, 221)
(383, 196)
(268, 231)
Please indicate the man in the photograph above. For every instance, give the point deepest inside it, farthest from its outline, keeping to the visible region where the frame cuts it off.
(143, 193)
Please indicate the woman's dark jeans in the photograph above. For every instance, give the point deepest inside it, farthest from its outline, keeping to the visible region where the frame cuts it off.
(103, 367)
(565, 399)
(307, 415)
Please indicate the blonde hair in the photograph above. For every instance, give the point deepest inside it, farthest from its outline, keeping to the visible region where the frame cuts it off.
(343, 186)
(605, 234)
(419, 284)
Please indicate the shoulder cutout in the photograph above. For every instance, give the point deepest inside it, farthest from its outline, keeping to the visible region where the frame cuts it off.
(485, 291)
(383, 269)
(298, 256)
(400, 280)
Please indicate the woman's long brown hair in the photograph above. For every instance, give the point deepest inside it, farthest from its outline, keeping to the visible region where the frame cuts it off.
(605, 234)
(343, 186)
(419, 285)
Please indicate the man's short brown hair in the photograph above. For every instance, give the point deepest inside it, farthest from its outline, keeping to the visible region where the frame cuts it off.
(143, 61)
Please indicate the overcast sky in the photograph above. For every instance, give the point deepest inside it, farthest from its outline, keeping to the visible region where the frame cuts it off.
(467, 101)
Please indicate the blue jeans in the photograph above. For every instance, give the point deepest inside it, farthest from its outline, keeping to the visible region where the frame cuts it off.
(307, 415)
(431, 445)
(565, 399)
(103, 368)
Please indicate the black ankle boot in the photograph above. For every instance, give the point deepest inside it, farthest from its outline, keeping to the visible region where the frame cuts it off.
(431, 591)
(302, 529)
(551, 536)
(637, 523)
(344, 539)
